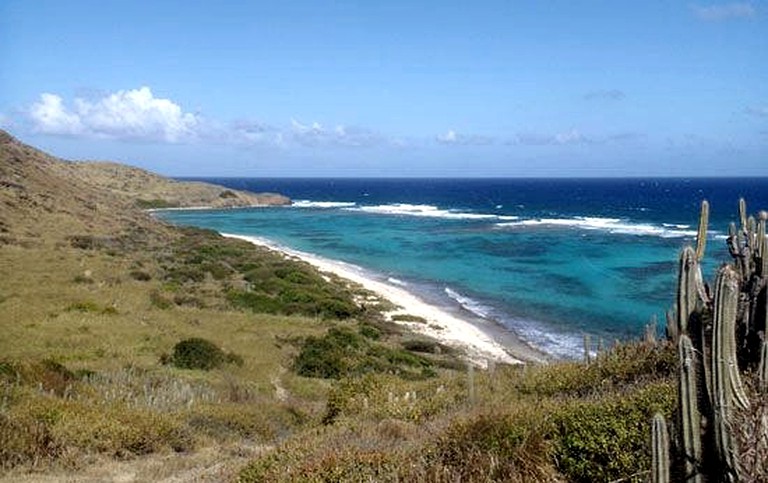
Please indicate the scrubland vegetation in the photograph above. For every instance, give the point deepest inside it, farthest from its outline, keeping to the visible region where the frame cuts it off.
(210, 341)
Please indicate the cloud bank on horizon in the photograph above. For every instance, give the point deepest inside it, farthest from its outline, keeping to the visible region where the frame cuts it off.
(395, 89)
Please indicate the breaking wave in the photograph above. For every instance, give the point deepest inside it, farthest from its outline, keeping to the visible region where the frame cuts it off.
(322, 204)
(429, 211)
(610, 225)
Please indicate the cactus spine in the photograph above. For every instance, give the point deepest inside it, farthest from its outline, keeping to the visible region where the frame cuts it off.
(660, 458)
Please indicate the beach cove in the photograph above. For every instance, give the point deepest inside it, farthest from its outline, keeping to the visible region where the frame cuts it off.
(481, 343)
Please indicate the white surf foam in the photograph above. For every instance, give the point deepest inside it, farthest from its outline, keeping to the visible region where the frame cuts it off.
(559, 344)
(611, 225)
(469, 304)
(322, 204)
(397, 281)
(429, 211)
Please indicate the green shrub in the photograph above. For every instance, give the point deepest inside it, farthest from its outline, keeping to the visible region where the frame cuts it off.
(497, 447)
(621, 366)
(608, 439)
(330, 356)
(343, 352)
(369, 332)
(422, 345)
(255, 302)
(408, 318)
(198, 353)
(156, 203)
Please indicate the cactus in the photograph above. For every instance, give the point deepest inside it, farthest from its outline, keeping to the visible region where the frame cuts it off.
(690, 417)
(762, 244)
(660, 458)
(687, 274)
(743, 213)
(726, 391)
(714, 335)
(762, 371)
(701, 235)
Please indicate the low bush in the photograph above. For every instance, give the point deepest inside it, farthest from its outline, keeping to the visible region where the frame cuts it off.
(408, 318)
(608, 439)
(343, 352)
(25, 441)
(156, 203)
(198, 353)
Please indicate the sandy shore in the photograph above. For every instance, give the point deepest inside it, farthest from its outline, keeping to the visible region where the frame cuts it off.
(480, 345)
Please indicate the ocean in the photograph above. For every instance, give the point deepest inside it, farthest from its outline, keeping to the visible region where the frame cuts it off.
(549, 259)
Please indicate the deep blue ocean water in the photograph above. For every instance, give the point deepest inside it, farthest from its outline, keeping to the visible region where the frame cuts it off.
(549, 259)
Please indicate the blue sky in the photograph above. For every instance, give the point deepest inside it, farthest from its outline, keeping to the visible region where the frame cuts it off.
(396, 88)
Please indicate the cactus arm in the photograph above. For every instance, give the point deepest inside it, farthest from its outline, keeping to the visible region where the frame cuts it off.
(660, 457)
(762, 370)
(762, 244)
(727, 391)
(690, 288)
(701, 235)
(743, 214)
(690, 417)
(686, 301)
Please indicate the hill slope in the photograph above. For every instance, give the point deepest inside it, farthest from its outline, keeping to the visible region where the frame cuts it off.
(40, 195)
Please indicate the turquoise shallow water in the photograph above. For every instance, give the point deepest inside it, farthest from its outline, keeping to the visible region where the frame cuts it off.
(548, 269)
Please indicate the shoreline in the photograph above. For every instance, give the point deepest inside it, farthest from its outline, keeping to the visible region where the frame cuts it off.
(480, 340)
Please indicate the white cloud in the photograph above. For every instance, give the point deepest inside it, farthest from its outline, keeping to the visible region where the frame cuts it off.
(316, 134)
(126, 114)
(453, 138)
(723, 11)
(51, 116)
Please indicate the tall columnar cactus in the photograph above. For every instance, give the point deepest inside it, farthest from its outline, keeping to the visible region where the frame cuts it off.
(727, 392)
(716, 336)
(701, 235)
(688, 281)
(660, 455)
(690, 417)
(762, 371)
(762, 244)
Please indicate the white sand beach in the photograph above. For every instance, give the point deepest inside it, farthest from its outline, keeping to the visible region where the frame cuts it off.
(478, 345)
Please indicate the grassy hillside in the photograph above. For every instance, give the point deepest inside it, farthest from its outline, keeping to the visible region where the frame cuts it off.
(103, 375)
(94, 296)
